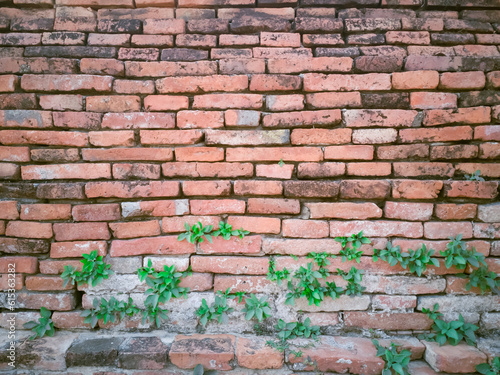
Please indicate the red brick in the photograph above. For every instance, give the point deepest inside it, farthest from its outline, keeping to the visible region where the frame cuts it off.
(450, 358)
(81, 231)
(462, 81)
(247, 137)
(133, 87)
(364, 189)
(487, 170)
(305, 228)
(69, 320)
(136, 171)
(487, 133)
(117, 103)
(281, 53)
(76, 249)
(241, 118)
(299, 247)
(314, 40)
(219, 170)
(493, 79)
(176, 224)
(55, 155)
(62, 102)
(407, 37)
(108, 39)
(46, 283)
(22, 264)
(387, 321)
(273, 206)
(337, 82)
(258, 188)
(242, 66)
(198, 282)
(377, 228)
(28, 229)
(138, 53)
(102, 66)
(199, 154)
(383, 302)
(18, 154)
(48, 138)
(11, 282)
(132, 154)
(416, 80)
(51, 83)
(432, 100)
(112, 138)
(344, 210)
(161, 137)
(333, 100)
(436, 230)
(226, 101)
(320, 170)
(8, 83)
(274, 154)
(155, 208)
(235, 265)
(60, 191)
(132, 189)
(408, 211)
(238, 40)
(246, 245)
(369, 169)
(96, 212)
(219, 354)
(446, 134)
(8, 210)
(135, 229)
(217, 206)
(275, 83)
(486, 230)
(285, 102)
(279, 39)
(169, 68)
(418, 151)
(255, 354)
(66, 171)
(77, 120)
(305, 118)
(312, 189)
(200, 119)
(152, 40)
(274, 171)
(454, 152)
(312, 64)
(423, 169)
(349, 152)
(208, 188)
(45, 211)
(57, 302)
(473, 115)
(386, 118)
(256, 224)
(202, 84)
(152, 245)
(53, 267)
(471, 189)
(20, 39)
(456, 211)
(370, 136)
(489, 150)
(164, 26)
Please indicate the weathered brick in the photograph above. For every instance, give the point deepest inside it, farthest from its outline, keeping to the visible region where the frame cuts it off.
(311, 189)
(108, 39)
(420, 80)
(335, 82)
(387, 321)
(22, 264)
(132, 189)
(377, 228)
(454, 152)
(462, 357)
(219, 170)
(45, 211)
(320, 170)
(226, 101)
(374, 136)
(473, 115)
(216, 207)
(274, 171)
(102, 66)
(255, 354)
(152, 245)
(199, 154)
(66, 171)
(471, 189)
(172, 137)
(364, 189)
(235, 265)
(273, 206)
(169, 68)
(256, 224)
(333, 100)
(349, 152)
(408, 211)
(313, 64)
(202, 84)
(304, 118)
(344, 210)
(208, 188)
(462, 81)
(28, 229)
(57, 302)
(244, 137)
(275, 83)
(445, 134)
(117, 103)
(274, 154)
(135, 229)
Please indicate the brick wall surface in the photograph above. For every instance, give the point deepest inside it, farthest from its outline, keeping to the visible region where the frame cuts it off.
(299, 121)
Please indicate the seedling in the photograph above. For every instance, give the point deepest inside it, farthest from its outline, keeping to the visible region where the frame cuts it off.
(396, 362)
(321, 259)
(277, 275)
(217, 310)
(352, 253)
(353, 278)
(293, 330)
(94, 271)
(256, 308)
(484, 279)
(489, 369)
(226, 231)
(45, 326)
(107, 311)
(457, 254)
(474, 176)
(196, 234)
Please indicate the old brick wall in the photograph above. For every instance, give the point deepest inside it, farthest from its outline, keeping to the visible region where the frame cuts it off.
(121, 120)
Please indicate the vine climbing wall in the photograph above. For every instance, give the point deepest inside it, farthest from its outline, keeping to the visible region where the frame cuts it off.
(298, 121)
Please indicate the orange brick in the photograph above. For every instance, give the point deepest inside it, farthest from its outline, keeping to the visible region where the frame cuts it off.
(28, 229)
(415, 80)
(45, 211)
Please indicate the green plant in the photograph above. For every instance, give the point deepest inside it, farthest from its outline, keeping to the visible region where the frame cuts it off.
(277, 275)
(45, 326)
(418, 260)
(281, 162)
(226, 231)
(489, 369)
(154, 314)
(93, 272)
(353, 278)
(217, 310)
(196, 233)
(107, 311)
(456, 254)
(256, 308)
(321, 259)
(391, 254)
(163, 285)
(434, 313)
(474, 176)
(395, 362)
(308, 285)
(293, 330)
(484, 279)
(356, 241)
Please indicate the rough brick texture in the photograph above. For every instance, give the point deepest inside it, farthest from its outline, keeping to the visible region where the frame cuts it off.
(299, 121)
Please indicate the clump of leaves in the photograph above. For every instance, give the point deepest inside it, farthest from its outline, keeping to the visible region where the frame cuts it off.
(277, 275)
(45, 326)
(391, 254)
(489, 369)
(457, 254)
(418, 260)
(107, 311)
(197, 233)
(353, 252)
(308, 285)
(226, 231)
(93, 272)
(476, 176)
(154, 314)
(396, 362)
(257, 308)
(293, 330)
(432, 313)
(353, 278)
(217, 310)
(321, 259)
(163, 285)
(199, 370)
(484, 279)
(453, 332)
(281, 162)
